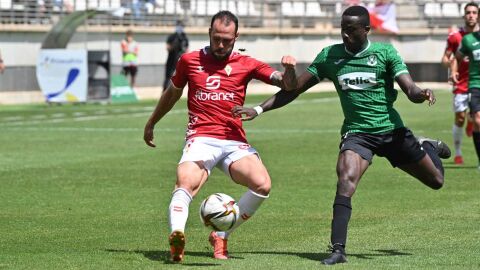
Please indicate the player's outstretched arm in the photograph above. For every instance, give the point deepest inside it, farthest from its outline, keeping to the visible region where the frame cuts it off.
(414, 93)
(280, 99)
(165, 104)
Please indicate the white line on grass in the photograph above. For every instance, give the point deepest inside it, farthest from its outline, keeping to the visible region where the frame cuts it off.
(161, 130)
(103, 114)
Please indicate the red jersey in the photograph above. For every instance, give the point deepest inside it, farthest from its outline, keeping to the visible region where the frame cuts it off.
(214, 88)
(453, 42)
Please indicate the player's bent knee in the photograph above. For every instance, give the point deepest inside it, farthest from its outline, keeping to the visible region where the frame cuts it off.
(346, 187)
(262, 186)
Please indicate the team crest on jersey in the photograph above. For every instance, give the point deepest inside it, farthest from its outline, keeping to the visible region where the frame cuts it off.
(357, 80)
(228, 69)
(372, 60)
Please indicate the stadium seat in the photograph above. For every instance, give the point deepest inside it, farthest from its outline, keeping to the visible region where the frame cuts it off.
(432, 10)
(450, 10)
(213, 6)
(286, 9)
(93, 4)
(5, 4)
(247, 8)
(80, 5)
(298, 9)
(313, 10)
(172, 7)
(200, 7)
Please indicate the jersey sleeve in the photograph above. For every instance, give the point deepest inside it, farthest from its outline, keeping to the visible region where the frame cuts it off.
(261, 71)
(395, 64)
(452, 43)
(180, 78)
(315, 67)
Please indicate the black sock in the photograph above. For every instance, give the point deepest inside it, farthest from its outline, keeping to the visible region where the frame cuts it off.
(430, 150)
(476, 142)
(342, 210)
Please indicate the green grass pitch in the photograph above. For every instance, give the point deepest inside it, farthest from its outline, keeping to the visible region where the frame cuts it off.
(79, 189)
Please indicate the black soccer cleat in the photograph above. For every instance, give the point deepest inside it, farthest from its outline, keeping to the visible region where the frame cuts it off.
(440, 147)
(337, 256)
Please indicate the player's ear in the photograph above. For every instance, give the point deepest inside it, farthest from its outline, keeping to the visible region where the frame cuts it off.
(209, 32)
(236, 36)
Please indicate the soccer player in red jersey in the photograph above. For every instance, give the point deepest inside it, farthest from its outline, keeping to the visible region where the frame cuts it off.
(459, 76)
(217, 81)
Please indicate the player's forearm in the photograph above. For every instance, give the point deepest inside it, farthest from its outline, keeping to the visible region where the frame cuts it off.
(290, 79)
(280, 99)
(453, 65)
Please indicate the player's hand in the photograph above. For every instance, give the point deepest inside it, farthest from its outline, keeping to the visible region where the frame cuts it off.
(428, 94)
(454, 77)
(288, 61)
(244, 113)
(148, 135)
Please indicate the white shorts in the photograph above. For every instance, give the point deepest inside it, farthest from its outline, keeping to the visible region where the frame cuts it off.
(460, 102)
(215, 152)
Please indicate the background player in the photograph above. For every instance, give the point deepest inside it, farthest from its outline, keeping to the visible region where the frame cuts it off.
(470, 48)
(217, 80)
(363, 74)
(459, 76)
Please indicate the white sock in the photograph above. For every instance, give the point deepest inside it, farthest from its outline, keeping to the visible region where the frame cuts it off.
(248, 204)
(457, 139)
(178, 209)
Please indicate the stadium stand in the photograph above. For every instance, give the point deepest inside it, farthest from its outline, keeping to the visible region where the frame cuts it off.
(263, 13)
(287, 25)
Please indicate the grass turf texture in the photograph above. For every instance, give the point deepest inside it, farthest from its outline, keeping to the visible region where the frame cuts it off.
(80, 190)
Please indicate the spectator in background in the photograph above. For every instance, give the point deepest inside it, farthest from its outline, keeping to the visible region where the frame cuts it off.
(383, 17)
(130, 57)
(63, 5)
(459, 77)
(2, 65)
(177, 44)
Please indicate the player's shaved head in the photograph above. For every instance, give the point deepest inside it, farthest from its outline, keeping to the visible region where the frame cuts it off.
(226, 17)
(360, 12)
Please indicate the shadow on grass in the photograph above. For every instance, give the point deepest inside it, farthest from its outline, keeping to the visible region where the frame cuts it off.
(164, 256)
(321, 256)
(458, 167)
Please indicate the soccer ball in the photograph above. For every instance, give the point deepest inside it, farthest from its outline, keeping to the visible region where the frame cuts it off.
(219, 211)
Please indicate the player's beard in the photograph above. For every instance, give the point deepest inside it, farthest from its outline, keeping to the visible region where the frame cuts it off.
(221, 57)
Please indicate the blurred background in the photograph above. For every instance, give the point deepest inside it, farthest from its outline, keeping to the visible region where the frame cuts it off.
(268, 30)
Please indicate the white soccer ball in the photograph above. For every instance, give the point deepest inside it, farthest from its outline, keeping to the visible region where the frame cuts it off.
(219, 211)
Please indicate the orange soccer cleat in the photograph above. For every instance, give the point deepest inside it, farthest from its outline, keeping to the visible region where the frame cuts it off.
(177, 246)
(219, 246)
(458, 160)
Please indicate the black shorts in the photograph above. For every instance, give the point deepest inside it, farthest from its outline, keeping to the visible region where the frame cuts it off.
(132, 70)
(474, 100)
(399, 146)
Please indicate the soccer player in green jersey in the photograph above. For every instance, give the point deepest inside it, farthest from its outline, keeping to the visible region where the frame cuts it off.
(363, 74)
(470, 47)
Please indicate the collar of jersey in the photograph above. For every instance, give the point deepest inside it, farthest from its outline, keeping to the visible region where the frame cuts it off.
(359, 53)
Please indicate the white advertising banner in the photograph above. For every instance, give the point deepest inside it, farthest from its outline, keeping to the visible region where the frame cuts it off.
(63, 75)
